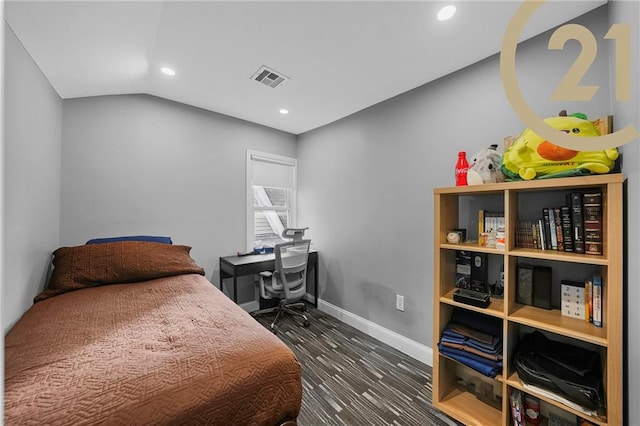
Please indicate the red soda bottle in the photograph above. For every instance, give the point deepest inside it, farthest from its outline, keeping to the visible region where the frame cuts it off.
(461, 169)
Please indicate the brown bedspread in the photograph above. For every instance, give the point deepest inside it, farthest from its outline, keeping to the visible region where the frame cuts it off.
(168, 351)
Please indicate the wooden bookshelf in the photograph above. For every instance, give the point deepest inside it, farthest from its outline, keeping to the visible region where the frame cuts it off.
(449, 204)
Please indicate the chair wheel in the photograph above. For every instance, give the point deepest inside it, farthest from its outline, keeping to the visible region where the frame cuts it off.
(306, 323)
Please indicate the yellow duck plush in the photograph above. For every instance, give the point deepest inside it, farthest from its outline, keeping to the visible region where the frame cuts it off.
(531, 157)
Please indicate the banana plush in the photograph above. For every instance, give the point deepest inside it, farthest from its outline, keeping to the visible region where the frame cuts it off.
(531, 157)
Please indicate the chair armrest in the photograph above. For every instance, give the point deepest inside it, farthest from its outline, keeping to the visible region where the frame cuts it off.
(275, 284)
(265, 275)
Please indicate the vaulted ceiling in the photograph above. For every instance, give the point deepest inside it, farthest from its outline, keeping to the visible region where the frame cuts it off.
(341, 57)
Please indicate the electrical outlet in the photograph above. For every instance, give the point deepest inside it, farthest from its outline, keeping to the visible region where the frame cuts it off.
(400, 302)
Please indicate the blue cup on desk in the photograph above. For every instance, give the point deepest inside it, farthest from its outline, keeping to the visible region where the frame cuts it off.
(262, 250)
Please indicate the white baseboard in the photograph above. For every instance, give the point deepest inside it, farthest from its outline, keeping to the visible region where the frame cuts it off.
(422, 353)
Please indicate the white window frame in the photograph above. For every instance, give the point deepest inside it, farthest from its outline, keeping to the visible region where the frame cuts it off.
(253, 156)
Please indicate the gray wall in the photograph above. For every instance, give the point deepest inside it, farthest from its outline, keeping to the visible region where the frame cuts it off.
(31, 179)
(137, 164)
(626, 113)
(366, 182)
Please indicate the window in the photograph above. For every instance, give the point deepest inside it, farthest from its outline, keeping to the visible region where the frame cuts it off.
(271, 197)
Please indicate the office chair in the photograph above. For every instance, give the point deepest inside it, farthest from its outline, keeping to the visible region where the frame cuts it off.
(288, 282)
(294, 234)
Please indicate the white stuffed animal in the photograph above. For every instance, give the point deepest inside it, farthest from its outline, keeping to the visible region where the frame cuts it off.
(485, 167)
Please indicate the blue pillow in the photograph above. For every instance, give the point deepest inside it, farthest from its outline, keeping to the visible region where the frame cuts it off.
(147, 238)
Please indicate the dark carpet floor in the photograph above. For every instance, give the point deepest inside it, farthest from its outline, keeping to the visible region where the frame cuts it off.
(350, 378)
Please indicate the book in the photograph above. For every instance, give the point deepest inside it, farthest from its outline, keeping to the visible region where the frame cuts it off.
(542, 235)
(566, 228)
(552, 228)
(559, 234)
(547, 229)
(592, 219)
(524, 234)
(597, 300)
(492, 221)
(489, 221)
(574, 201)
(533, 231)
(588, 306)
(500, 222)
(480, 223)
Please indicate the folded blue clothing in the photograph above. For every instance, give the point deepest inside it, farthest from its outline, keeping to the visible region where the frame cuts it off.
(490, 349)
(477, 321)
(471, 344)
(453, 334)
(486, 367)
(450, 339)
(478, 358)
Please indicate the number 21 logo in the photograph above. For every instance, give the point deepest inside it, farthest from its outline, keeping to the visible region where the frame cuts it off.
(569, 88)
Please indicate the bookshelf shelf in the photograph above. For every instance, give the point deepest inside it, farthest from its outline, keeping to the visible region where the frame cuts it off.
(553, 321)
(472, 247)
(535, 185)
(496, 308)
(519, 198)
(559, 256)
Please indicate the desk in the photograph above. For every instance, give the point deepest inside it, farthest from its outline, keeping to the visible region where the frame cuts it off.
(237, 266)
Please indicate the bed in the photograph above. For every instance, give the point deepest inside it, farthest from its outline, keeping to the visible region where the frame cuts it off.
(133, 333)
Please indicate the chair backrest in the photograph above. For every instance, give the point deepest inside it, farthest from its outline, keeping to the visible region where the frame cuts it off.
(291, 267)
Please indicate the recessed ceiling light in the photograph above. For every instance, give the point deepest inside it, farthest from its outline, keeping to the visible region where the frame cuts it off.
(446, 13)
(284, 111)
(168, 71)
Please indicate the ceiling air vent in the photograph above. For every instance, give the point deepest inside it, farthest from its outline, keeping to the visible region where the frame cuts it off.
(269, 77)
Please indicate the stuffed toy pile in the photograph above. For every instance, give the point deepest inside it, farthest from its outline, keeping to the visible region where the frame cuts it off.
(531, 157)
(485, 167)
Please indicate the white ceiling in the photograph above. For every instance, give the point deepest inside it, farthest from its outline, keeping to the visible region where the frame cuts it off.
(342, 57)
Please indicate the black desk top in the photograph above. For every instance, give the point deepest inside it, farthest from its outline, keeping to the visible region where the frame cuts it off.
(252, 258)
